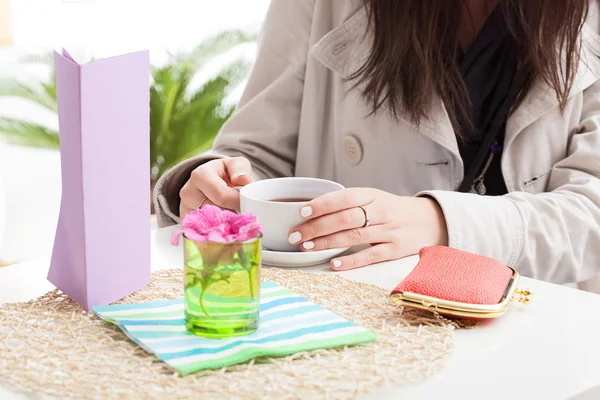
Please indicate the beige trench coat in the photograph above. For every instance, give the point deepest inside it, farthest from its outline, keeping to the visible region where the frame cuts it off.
(298, 117)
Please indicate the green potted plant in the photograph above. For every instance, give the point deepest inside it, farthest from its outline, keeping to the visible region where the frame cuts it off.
(184, 120)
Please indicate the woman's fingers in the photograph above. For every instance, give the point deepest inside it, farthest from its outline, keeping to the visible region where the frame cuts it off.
(348, 238)
(190, 198)
(336, 201)
(221, 194)
(238, 170)
(213, 183)
(209, 179)
(192, 201)
(328, 224)
(372, 255)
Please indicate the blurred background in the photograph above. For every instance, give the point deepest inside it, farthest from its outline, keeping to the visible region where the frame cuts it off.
(200, 50)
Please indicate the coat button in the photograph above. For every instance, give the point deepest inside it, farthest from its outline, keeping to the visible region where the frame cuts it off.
(352, 149)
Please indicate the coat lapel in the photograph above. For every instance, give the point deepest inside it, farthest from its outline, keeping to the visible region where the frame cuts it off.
(346, 48)
(541, 98)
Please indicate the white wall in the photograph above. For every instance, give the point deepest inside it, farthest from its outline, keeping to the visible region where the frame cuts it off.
(108, 27)
(31, 180)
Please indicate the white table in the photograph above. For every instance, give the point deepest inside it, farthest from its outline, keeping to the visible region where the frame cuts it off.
(549, 349)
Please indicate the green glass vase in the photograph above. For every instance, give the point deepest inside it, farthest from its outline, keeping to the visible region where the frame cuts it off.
(222, 287)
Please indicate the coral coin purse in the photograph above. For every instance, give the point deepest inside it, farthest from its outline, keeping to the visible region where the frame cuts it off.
(456, 283)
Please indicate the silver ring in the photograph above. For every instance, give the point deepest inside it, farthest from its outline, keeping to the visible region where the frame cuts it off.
(367, 221)
(202, 203)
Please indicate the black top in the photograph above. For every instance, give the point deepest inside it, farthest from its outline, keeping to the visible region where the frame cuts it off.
(488, 69)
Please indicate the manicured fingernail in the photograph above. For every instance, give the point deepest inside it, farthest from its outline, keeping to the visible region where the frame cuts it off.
(306, 211)
(240, 174)
(295, 237)
(309, 245)
(337, 263)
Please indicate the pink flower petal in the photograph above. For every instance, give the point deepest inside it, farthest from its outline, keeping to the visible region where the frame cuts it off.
(215, 236)
(175, 237)
(194, 235)
(212, 224)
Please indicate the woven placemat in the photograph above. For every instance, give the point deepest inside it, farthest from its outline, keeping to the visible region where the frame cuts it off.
(50, 346)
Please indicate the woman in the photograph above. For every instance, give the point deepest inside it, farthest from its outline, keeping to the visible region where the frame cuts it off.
(468, 123)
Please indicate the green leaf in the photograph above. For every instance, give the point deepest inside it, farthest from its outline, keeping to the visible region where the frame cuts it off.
(195, 262)
(28, 134)
(44, 95)
(187, 128)
(225, 273)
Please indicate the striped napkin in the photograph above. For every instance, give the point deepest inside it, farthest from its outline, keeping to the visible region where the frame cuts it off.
(289, 324)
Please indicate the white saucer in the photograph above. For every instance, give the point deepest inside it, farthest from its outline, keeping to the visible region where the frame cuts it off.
(299, 259)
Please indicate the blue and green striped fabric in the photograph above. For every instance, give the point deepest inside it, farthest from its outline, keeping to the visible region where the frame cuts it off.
(289, 324)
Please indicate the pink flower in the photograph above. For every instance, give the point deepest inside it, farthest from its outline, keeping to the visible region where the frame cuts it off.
(211, 224)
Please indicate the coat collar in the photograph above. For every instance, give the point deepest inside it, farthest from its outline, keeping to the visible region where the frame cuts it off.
(346, 48)
(542, 98)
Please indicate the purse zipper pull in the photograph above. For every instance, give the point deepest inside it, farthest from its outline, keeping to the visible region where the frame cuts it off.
(522, 296)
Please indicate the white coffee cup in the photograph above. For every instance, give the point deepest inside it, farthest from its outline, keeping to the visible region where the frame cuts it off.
(278, 218)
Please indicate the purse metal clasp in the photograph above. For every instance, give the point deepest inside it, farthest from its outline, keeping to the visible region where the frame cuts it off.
(523, 296)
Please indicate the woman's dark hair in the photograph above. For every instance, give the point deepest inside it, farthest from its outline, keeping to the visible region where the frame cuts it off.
(415, 51)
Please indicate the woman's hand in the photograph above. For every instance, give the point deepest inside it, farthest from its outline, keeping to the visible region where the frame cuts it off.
(214, 183)
(398, 226)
